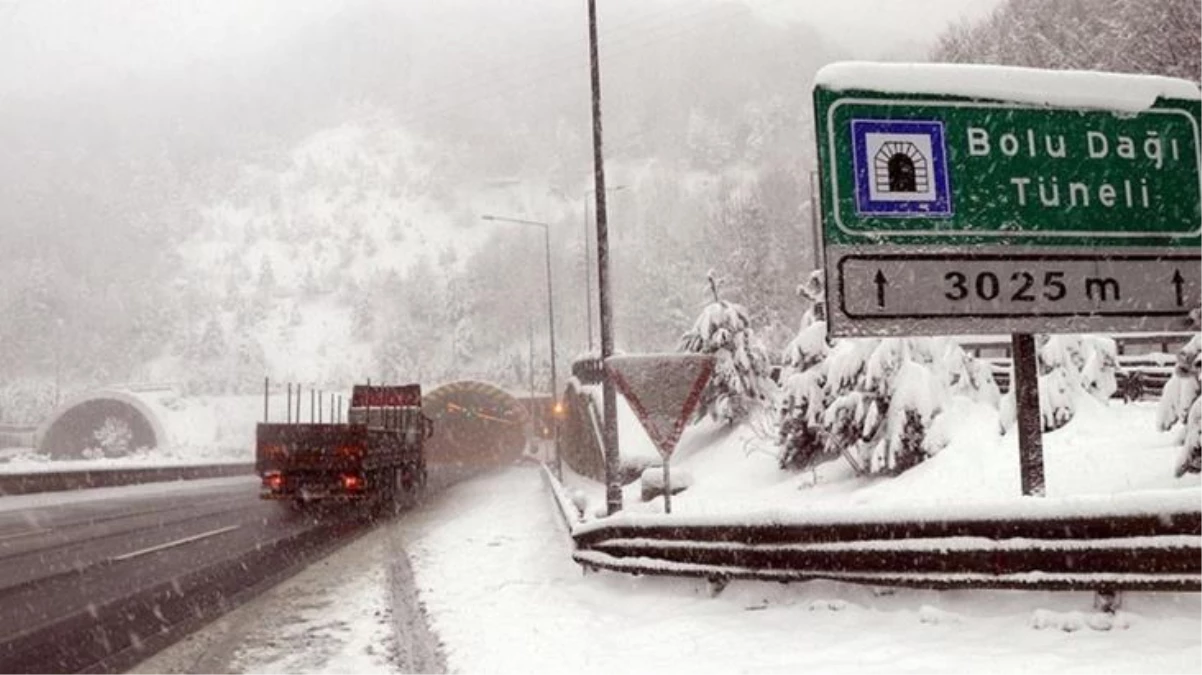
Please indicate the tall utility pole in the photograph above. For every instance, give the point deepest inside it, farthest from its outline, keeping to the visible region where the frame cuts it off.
(588, 268)
(609, 430)
(550, 293)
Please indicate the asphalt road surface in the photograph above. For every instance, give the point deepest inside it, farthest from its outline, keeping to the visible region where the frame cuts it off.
(93, 580)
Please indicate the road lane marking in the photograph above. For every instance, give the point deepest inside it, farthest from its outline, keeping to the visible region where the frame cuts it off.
(18, 535)
(177, 542)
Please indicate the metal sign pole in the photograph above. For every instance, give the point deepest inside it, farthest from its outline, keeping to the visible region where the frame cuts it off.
(1030, 420)
(609, 398)
(667, 485)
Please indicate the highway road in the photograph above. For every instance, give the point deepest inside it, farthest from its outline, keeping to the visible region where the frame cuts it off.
(95, 580)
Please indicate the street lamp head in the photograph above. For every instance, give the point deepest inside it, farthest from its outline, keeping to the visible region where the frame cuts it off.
(519, 221)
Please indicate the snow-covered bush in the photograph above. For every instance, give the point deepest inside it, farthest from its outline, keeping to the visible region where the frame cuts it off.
(1181, 402)
(740, 378)
(112, 439)
(872, 400)
(1070, 368)
(1182, 387)
(1190, 460)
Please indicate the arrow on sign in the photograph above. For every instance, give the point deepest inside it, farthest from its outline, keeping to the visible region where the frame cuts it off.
(1179, 283)
(881, 282)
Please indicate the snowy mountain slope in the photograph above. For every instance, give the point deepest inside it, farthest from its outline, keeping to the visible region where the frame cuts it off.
(292, 262)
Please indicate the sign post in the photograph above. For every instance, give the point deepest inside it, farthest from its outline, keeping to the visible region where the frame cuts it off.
(1026, 406)
(982, 199)
(663, 390)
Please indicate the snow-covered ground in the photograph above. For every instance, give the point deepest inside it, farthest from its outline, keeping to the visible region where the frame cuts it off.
(492, 566)
(28, 460)
(1107, 448)
(491, 562)
(44, 499)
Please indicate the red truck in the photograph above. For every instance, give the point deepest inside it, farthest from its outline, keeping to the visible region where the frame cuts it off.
(377, 456)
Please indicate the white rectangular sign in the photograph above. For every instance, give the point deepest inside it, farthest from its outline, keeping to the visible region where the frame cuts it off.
(879, 291)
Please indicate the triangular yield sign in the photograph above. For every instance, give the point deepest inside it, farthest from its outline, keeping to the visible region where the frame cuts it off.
(663, 390)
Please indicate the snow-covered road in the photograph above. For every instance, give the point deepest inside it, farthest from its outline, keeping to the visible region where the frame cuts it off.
(492, 568)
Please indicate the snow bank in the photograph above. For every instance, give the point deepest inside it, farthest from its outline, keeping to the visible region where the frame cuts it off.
(534, 612)
(1109, 454)
(1060, 89)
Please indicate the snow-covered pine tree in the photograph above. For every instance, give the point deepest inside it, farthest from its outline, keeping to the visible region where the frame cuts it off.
(112, 438)
(740, 378)
(1181, 403)
(875, 401)
(1070, 368)
(802, 398)
(1182, 387)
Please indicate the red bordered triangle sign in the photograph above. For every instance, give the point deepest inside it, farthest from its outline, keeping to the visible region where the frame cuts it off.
(663, 390)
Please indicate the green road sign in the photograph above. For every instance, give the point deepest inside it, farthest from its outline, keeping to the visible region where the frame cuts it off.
(928, 194)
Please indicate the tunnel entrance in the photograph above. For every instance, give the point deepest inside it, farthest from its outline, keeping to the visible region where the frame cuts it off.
(477, 426)
(901, 174)
(102, 426)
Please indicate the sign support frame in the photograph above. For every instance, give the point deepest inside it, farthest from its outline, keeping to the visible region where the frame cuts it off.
(1030, 417)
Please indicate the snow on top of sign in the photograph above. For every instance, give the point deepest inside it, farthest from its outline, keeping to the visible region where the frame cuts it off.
(1057, 88)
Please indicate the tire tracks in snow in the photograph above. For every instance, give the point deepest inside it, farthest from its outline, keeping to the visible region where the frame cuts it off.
(418, 648)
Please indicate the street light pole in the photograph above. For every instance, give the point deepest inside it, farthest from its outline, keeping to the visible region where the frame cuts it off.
(550, 292)
(588, 272)
(609, 397)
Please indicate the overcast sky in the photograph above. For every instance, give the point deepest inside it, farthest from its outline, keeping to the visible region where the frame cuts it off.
(134, 99)
(57, 44)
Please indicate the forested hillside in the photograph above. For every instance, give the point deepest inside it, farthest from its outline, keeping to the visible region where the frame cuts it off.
(1152, 37)
(356, 249)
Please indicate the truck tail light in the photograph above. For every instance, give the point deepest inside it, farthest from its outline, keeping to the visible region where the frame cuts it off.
(273, 481)
(352, 482)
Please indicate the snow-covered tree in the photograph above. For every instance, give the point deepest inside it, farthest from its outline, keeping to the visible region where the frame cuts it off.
(1070, 367)
(1181, 403)
(802, 397)
(875, 401)
(112, 439)
(1157, 37)
(1182, 387)
(740, 378)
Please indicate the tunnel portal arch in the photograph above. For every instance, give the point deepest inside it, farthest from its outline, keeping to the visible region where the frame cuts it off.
(477, 426)
(71, 428)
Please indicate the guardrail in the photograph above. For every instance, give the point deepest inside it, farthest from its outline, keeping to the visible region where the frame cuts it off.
(1147, 542)
(580, 436)
(1137, 377)
(50, 481)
